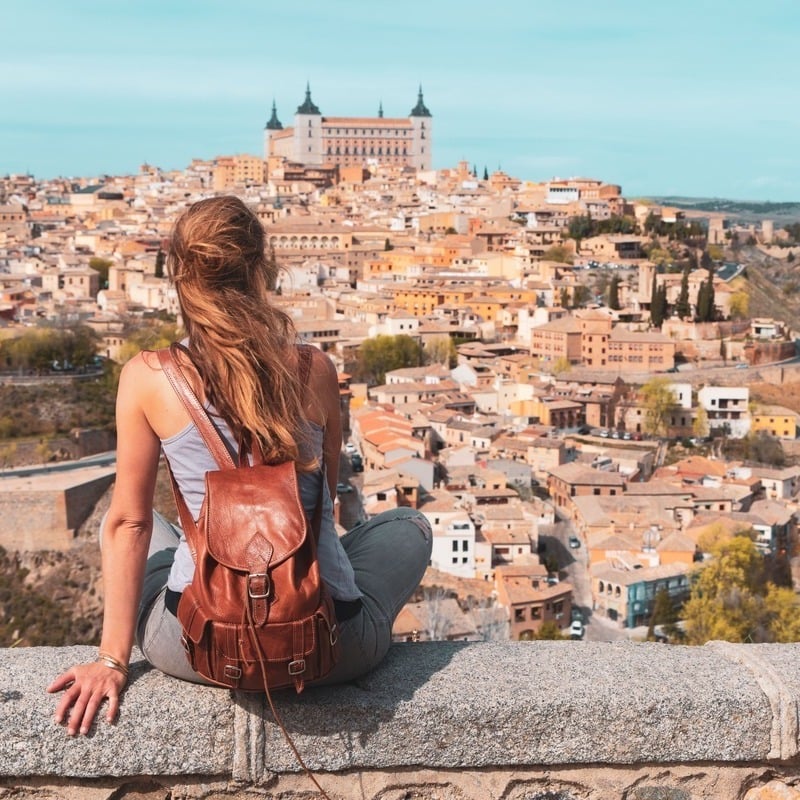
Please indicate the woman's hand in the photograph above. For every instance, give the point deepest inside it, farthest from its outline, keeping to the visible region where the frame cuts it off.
(86, 687)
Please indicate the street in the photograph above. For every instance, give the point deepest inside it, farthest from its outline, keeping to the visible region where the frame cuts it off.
(573, 567)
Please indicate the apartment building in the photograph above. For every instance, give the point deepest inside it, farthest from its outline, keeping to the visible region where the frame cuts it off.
(727, 409)
(628, 595)
(634, 351)
(453, 534)
(777, 421)
(531, 601)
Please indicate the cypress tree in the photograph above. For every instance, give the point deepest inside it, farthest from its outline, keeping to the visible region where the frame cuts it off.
(613, 293)
(682, 307)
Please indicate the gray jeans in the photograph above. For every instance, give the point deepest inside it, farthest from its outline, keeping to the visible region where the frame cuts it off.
(389, 554)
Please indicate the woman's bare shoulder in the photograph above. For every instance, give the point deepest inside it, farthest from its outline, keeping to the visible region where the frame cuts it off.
(322, 366)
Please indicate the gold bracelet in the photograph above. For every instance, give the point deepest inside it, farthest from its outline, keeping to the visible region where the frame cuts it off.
(113, 663)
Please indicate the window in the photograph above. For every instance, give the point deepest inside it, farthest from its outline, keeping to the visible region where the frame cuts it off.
(465, 545)
(455, 546)
(519, 615)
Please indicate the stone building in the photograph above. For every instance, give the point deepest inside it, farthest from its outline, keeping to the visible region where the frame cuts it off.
(315, 139)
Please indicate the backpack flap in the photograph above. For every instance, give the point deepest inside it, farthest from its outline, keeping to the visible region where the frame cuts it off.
(253, 528)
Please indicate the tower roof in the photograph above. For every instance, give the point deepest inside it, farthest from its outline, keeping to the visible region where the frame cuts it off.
(308, 106)
(420, 109)
(274, 124)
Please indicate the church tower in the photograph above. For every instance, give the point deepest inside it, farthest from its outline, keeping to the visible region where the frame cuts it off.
(308, 132)
(422, 125)
(273, 124)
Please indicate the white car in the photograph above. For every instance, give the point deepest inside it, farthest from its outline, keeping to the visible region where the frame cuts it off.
(349, 448)
(576, 629)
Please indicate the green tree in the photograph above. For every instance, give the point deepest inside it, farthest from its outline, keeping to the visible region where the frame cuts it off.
(149, 337)
(441, 350)
(382, 354)
(664, 613)
(731, 599)
(658, 400)
(485, 173)
(613, 293)
(560, 366)
(559, 253)
(782, 613)
(549, 632)
(580, 227)
(102, 265)
(700, 422)
(740, 305)
(657, 312)
(581, 295)
(682, 307)
(160, 261)
(706, 301)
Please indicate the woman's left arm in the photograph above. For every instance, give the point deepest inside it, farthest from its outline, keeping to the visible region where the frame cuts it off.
(126, 538)
(324, 386)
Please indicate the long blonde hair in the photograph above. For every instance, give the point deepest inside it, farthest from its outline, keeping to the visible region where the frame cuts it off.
(242, 346)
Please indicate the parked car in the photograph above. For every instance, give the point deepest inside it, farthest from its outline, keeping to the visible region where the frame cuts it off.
(552, 580)
(576, 629)
(604, 433)
(349, 448)
(357, 463)
(343, 488)
(575, 614)
(742, 366)
(574, 542)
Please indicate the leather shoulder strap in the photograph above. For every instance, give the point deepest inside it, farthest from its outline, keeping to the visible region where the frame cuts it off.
(305, 351)
(211, 436)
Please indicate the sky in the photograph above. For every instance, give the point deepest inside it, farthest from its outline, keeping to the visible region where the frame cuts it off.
(688, 97)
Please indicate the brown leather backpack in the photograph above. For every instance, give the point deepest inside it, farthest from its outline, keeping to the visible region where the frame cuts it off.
(257, 615)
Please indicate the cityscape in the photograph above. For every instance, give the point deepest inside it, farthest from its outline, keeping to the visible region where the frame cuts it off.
(576, 388)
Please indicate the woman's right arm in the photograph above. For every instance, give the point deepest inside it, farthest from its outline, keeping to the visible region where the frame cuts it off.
(126, 538)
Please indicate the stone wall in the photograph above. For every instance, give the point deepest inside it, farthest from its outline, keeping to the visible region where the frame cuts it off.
(41, 511)
(470, 721)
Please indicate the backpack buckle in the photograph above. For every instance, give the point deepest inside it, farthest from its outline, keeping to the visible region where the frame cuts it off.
(259, 591)
(297, 667)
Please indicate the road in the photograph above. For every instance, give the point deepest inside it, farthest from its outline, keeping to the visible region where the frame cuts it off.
(573, 567)
(99, 460)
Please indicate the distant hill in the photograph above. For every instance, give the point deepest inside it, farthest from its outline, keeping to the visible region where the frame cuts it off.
(736, 209)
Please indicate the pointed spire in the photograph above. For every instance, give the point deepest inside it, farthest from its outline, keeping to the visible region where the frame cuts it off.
(380, 109)
(274, 123)
(308, 106)
(420, 109)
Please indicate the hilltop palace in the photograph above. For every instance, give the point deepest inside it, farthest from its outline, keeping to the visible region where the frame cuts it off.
(316, 140)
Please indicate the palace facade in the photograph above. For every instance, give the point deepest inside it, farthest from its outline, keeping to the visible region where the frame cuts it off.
(316, 140)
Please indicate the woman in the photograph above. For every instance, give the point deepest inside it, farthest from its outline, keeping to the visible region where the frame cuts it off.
(244, 366)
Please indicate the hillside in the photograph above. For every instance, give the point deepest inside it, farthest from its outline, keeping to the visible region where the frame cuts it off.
(740, 210)
(772, 284)
(55, 597)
